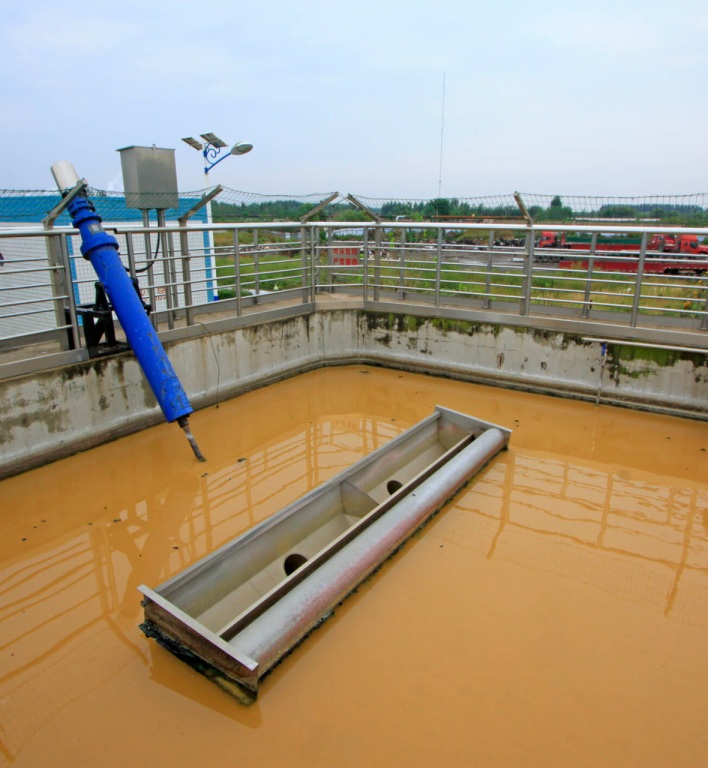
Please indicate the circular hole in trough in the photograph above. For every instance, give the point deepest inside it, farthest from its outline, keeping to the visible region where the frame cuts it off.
(293, 562)
(393, 485)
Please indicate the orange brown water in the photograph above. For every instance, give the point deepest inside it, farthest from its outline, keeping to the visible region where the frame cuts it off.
(555, 613)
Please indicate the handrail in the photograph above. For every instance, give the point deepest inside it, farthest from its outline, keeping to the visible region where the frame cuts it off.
(519, 226)
(508, 284)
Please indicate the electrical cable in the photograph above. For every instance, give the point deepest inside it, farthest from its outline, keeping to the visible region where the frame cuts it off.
(151, 262)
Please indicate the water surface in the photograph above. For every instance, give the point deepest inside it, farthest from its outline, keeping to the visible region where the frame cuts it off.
(554, 613)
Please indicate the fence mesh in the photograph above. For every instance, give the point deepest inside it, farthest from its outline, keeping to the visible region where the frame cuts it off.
(667, 209)
(231, 205)
(32, 206)
(445, 208)
(234, 205)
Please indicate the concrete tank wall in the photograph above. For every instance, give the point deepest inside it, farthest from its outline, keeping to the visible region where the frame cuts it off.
(55, 413)
(539, 360)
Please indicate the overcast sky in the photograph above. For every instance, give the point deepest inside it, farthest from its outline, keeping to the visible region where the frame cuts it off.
(556, 97)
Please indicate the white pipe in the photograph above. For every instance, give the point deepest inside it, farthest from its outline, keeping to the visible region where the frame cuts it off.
(667, 347)
(65, 175)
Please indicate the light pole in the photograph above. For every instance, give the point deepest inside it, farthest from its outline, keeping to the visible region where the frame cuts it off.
(212, 148)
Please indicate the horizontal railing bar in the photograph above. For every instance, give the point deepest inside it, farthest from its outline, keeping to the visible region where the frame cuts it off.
(605, 227)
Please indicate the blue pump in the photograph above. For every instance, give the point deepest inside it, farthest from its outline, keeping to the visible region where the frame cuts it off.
(101, 249)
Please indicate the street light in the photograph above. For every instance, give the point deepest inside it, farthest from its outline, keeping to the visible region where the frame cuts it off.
(212, 148)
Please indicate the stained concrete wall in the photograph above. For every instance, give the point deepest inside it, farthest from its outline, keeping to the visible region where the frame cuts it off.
(539, 360)
(52, 414)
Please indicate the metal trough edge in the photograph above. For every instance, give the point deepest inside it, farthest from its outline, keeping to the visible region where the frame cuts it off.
(254, 643)
(168, 621)
(280, 628)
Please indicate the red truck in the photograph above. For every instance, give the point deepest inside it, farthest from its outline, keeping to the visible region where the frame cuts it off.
(559, 240)
(678, 244)
(663, 243)
(688, 263)
(552, 240)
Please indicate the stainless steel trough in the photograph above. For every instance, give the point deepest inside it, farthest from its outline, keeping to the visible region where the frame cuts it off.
(241, 609)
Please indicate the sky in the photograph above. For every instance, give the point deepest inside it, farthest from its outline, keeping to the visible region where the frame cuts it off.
(387, 99)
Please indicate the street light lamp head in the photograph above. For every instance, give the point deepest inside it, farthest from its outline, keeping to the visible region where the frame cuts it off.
(212, 148)
(241, 148)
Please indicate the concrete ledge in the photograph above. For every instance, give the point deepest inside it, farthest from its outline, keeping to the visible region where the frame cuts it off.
(51, 414)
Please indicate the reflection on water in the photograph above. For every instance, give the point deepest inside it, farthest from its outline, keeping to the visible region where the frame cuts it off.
(78, 537)
(641, 539)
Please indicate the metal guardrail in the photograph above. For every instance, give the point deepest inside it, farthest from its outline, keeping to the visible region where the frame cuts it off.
(47, 290)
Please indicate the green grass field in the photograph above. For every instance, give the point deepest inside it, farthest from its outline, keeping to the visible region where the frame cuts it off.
(269, 271)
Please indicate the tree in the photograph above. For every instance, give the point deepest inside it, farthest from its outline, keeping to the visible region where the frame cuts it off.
(619, 211)
(441, 206)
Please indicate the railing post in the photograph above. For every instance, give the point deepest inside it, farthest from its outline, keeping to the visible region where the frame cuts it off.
(61, 286)
(305, 257)
(325, 274)
(487, 302)
(366, 264)
(527, 282)
(311, 256)
(585, 311)
(187, 275)
(377, 263)
(148, 253)
(638, 285)
(130, 248)
(172, 259)
(166, 269)
(402, 266)
(237, 272)
(150, 277)
(438, 267)
(65, 264)
(256, 268)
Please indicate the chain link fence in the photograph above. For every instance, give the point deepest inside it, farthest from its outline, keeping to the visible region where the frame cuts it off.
(672, 210)
(497, 207)
(231, 205)
(32, 206)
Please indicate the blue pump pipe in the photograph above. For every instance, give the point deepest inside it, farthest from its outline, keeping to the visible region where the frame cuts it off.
(101, 249)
